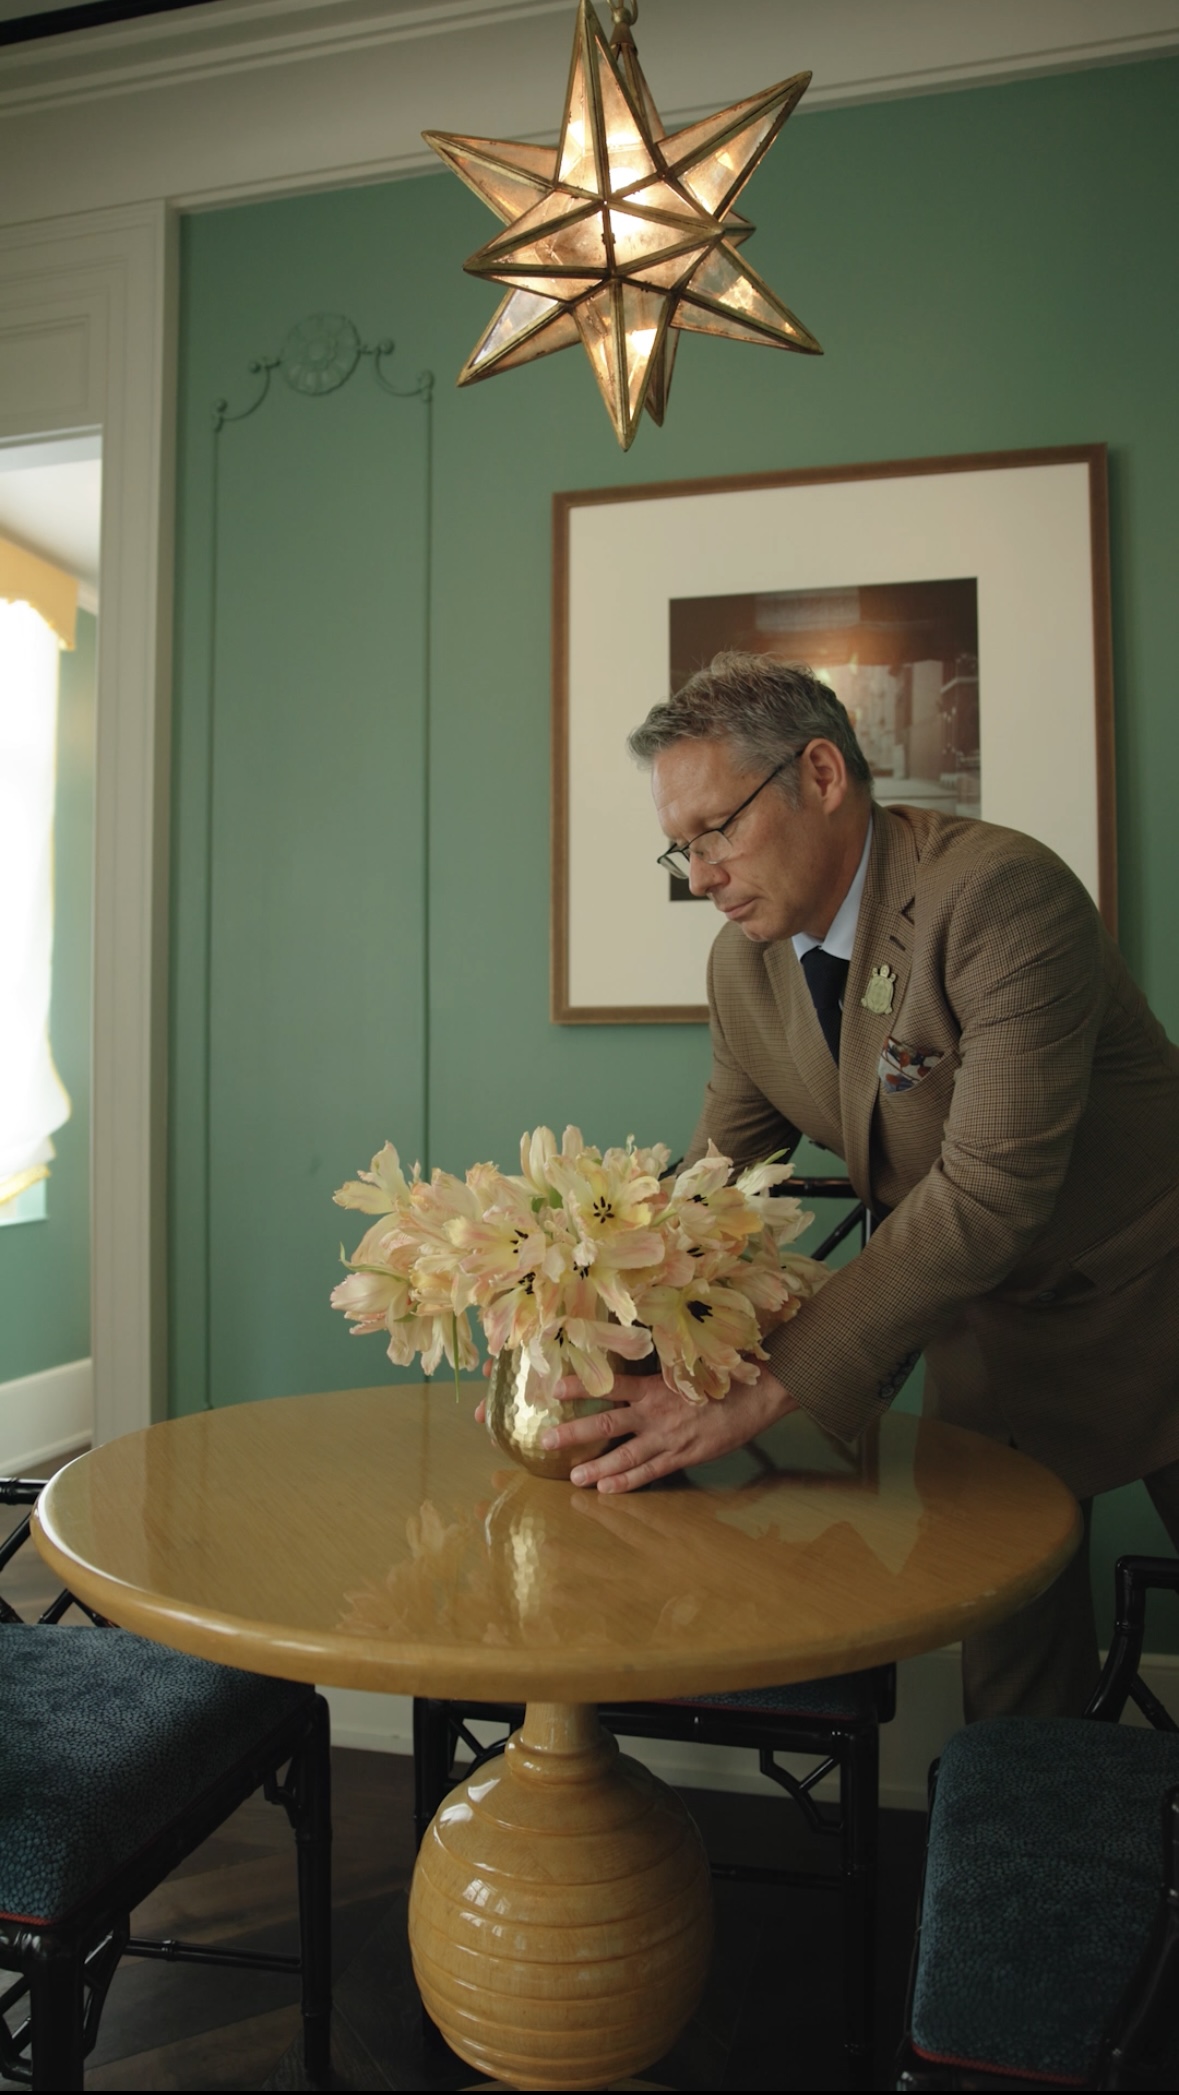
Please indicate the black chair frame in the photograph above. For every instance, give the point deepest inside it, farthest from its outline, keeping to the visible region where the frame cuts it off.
(1145, 2018)
(25, 1491)
(63, 1972)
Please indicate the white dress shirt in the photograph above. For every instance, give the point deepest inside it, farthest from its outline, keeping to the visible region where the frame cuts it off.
(841, 936)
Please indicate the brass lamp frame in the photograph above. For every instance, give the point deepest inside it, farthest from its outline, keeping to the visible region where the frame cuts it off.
(583, 260)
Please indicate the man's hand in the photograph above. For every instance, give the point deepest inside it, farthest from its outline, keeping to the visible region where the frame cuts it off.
(667, 1432)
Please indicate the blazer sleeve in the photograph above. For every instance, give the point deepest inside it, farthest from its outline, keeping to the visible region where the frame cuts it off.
(1023, 969)
(736, 1115)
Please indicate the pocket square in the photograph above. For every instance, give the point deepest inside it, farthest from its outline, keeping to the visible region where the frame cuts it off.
(901, 1068)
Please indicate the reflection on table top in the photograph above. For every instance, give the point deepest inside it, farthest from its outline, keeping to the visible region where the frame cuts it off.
(373, 1538)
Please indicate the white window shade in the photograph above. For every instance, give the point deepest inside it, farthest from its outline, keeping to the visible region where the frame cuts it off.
(33, 1100)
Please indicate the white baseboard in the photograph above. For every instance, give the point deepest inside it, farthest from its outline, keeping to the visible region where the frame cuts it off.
(929, 1710)
(44, 1416)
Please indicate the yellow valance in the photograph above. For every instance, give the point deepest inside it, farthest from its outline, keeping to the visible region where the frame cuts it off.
(27, 579)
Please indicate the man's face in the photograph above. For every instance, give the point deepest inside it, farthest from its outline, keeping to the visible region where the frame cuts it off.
(787, 869)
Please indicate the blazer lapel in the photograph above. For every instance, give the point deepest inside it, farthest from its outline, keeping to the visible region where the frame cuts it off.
(884, 939)
(800, 1026)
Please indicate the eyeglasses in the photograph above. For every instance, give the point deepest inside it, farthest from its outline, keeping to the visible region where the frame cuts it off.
(712, 845)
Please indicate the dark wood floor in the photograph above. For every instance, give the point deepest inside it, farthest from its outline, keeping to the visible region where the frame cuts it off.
(771, 2019)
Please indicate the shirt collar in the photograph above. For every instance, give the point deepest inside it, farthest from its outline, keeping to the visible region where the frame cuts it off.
(841, 936)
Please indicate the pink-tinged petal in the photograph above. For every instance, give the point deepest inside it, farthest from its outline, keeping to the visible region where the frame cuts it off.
(706, 1176)
(614, 1295)
(590, 1365)
(379, 1190)
(630, 1342)
(804, 1276)
(758, 1178)
(651, 1162)
(365, 1299)
(536, 1152)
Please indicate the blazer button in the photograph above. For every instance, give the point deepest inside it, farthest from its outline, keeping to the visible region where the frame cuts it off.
(1045, 1296)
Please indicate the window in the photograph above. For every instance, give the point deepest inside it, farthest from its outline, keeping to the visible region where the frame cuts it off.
(37, 613)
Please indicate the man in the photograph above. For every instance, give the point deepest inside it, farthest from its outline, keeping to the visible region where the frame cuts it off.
(936, 1001)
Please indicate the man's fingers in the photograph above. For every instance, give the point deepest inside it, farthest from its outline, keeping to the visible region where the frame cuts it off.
(619, 1470)
(634, 1479)
(480, 1412)
(642, 1454)
(594, 1425)
(588, 1473)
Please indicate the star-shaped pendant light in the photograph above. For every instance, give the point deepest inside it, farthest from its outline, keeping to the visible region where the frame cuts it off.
(620, 236)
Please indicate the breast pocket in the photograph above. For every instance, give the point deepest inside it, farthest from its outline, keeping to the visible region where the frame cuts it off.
(909, 1122)
(907, 1075)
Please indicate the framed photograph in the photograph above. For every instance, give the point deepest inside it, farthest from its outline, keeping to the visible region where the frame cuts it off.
(959, 607)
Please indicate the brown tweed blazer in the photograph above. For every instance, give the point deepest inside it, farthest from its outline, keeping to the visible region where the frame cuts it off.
(1031, 1176)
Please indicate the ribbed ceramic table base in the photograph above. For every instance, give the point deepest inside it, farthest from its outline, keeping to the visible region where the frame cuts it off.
(560, 1919)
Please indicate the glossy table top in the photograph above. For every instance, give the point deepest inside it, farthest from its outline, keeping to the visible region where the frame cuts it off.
(376, 1539)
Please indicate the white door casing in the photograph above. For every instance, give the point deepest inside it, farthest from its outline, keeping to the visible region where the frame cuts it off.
(87, 310)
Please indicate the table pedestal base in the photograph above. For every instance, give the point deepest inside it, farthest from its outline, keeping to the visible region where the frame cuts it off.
(560, 1919)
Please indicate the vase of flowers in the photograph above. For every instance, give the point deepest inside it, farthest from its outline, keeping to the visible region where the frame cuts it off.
(517, 1410)
(580, 1264)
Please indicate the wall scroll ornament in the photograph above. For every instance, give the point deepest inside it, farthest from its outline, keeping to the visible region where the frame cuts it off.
(320, 354)
(621, 236)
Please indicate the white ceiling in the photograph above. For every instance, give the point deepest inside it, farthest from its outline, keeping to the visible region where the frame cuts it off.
(51, 501)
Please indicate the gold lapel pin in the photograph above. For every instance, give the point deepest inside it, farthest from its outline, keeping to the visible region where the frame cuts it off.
(878, 995)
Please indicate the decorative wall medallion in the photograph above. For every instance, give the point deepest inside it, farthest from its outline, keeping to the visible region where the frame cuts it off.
(320, 353)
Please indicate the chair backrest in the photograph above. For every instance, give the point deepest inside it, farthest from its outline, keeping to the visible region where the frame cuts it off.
(25, 1491)
(1121, 1682)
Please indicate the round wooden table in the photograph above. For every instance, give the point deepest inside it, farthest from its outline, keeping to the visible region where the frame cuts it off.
(560, 1917)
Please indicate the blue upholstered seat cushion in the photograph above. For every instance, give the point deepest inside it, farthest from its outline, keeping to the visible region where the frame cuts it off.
(105, 1739)
(1045, 1864)
(844, 1695)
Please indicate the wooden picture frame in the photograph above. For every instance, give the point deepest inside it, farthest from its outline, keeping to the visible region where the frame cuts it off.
(1029, 528)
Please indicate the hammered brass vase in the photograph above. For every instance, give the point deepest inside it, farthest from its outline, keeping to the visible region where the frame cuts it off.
(517, 1413)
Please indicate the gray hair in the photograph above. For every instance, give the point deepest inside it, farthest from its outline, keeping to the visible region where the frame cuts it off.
(765, 709)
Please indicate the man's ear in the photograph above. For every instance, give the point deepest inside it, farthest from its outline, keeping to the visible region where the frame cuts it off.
(823, 774)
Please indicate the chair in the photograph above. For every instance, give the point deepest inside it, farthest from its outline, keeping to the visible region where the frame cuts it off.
(117, 1758)
(836, 1721)
(1045, 1950)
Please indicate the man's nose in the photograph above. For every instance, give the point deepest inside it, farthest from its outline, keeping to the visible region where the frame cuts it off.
(702, 877)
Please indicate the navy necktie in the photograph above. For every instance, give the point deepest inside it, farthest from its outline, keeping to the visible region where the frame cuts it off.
(826, 978)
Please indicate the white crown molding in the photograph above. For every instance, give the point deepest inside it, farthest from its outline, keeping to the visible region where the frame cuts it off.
(273, 97)
(204, 43)
(931, 46)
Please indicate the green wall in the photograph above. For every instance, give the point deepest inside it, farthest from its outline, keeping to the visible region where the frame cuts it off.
(988, 270)
(45, 1265)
